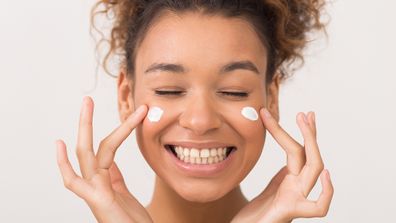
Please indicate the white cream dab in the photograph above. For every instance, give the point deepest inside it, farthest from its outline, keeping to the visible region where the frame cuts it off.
(249, 113)
(155, 114)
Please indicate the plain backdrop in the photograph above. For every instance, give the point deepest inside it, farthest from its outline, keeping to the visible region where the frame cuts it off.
(47, 65)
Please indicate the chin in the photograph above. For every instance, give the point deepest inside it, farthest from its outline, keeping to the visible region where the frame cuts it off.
(201, 192)
(200, 196)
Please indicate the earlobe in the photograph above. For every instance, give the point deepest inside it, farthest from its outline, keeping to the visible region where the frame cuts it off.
(273, 96)
(125, 96)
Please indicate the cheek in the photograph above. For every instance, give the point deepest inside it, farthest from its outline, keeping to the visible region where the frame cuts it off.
(250, 129)
(245, 120)
(154, 125)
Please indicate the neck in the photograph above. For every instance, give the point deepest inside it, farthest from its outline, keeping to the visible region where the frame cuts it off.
(167, 206)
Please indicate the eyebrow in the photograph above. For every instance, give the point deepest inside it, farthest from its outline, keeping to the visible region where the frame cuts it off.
(178, 68)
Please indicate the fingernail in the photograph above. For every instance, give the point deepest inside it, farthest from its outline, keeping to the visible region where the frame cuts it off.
(305, 118)
(327, 174)
(84, 103)
(85, 100)
(313, 116)
(58, 148)
(267, 113)
(139, 109)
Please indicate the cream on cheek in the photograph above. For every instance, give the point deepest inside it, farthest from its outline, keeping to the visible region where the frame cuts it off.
(249, 113)
(245, 120)
(155, 113)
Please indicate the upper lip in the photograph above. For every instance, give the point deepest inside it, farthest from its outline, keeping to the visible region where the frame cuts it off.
(200, 145)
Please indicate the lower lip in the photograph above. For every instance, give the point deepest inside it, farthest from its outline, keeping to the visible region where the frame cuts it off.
(200, 170)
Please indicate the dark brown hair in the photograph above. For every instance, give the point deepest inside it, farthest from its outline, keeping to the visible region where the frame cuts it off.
(282, 25)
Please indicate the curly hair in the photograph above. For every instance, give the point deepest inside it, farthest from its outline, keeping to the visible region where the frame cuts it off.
(282, 25)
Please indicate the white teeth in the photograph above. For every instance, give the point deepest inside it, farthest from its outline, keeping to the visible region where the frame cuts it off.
(186, 152)
(213, 152)
(200, 156)
(194, 153)
(205, 153)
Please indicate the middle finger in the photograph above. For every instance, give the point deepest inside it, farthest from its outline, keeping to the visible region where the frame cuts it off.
(84, 150)
(314, 165)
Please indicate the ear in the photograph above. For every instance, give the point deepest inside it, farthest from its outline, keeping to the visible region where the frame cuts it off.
(125, 96)
(273, 96)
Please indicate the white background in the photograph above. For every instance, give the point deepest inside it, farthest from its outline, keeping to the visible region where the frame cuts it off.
(47, 65)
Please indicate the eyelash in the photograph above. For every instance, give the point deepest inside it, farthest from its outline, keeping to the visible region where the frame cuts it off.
(227, 93)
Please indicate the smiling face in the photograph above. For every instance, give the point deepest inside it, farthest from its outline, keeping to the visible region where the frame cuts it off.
(201, 71)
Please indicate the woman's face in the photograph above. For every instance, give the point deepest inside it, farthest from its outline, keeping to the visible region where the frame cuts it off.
(216, 67)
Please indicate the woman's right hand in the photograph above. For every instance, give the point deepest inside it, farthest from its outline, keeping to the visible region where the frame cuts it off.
(102, 185)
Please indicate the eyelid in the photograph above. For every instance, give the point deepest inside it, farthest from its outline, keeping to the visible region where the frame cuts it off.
(168, 92)
(177, 92)
(241, 94)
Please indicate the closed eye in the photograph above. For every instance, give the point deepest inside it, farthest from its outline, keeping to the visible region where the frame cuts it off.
(226, 93)
(235, 93)
(159, 92)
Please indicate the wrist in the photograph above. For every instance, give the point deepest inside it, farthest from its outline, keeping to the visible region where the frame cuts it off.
(274, 216)
(111, 214)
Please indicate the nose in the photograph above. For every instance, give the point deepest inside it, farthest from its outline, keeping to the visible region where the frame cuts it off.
(201, 115)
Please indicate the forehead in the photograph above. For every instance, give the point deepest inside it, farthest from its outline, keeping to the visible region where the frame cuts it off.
(194, 39)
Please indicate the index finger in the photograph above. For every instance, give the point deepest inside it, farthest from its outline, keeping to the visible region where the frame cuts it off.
(294, 151)
(110, 144)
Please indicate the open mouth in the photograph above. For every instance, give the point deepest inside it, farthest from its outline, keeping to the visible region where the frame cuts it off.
(203, 156)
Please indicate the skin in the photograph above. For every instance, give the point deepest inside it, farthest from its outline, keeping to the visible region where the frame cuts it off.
(198, 111)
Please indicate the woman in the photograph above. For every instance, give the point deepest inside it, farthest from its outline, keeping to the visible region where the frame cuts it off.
(199, 82)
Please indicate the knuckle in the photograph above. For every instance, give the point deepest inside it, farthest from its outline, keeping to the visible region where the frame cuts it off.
(103, 143)
(68, 183)
(298, 155)
(322, 211)
(316, 166)
(320, 166)
(277, 128)
(314, 137)
(274, 126)
(79, 151)
(299, 152)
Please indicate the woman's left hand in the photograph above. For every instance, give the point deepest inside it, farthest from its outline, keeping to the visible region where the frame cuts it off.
(285, 197)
